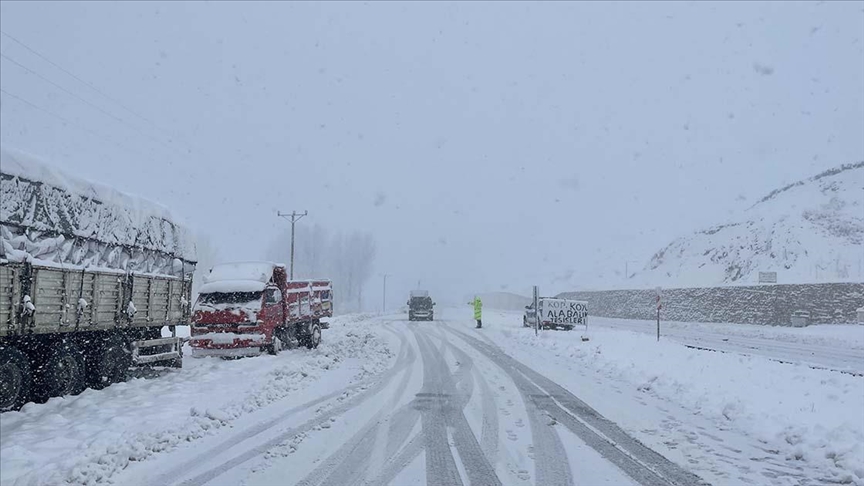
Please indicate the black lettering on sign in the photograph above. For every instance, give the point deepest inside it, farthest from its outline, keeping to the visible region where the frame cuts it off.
(564, 312)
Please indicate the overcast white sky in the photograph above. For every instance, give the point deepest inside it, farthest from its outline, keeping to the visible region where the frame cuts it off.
(486, 145)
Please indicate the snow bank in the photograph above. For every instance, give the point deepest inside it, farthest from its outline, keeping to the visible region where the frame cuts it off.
(89, 438)
(807, 415)
(62, 219)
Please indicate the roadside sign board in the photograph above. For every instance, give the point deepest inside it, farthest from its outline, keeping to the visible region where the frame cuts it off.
(768, 277)
(563, 312)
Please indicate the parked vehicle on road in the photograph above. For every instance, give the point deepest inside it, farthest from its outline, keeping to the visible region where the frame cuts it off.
(245, 309)
(88, 279)
(556, 313)
(420, 306)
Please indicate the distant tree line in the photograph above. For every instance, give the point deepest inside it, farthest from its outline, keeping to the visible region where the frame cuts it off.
(345, 258)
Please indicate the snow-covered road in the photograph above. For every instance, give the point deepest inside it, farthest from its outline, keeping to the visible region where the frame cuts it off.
(452, 410)
(384, 401)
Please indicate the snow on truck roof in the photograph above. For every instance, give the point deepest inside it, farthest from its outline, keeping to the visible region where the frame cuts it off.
(252, 277)
(95, 211)
(249, 271)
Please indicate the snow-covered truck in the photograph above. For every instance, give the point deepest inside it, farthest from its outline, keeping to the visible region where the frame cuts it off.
(89, 277)
(556, 313)
(250, 308)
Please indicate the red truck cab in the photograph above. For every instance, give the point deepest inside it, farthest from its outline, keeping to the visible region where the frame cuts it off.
(249, 308)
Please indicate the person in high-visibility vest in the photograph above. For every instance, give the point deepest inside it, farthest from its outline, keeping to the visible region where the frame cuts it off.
(478, 311)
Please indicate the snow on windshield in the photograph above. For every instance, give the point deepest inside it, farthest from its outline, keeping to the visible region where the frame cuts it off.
(229, 297)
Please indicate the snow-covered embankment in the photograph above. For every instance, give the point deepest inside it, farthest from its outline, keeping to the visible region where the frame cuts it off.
(794, 412)
(87, 439)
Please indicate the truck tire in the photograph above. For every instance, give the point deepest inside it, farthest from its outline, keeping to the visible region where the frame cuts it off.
(15, 379)
(60, 372)
(524, 321)
(313, 339)
(276, 347)
(109, 362)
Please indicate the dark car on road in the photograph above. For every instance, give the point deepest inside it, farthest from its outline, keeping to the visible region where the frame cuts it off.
(420, 306)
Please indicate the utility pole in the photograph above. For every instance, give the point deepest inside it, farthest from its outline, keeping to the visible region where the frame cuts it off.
(294, 217)
(384, 296)
(626, 269)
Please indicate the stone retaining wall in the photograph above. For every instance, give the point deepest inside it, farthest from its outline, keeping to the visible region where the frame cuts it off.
(760, 304)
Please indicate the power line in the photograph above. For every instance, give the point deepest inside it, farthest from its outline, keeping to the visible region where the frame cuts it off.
(94, 88)
(70, 93)
(69, 122)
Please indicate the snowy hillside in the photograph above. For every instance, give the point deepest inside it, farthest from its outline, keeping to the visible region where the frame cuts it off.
(808, 231)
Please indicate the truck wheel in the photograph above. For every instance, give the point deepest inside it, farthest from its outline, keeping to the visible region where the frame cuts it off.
(15, 379)
(314, 337)
(276, 347)
(110, 362)
(524, 321)
(61, 372)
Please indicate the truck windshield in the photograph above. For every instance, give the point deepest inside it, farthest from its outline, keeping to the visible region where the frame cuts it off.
(229, 297)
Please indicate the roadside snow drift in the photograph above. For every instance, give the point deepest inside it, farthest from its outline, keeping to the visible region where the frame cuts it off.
(87, 439)
(804, 414)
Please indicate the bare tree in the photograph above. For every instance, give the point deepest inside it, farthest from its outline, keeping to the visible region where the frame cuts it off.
(346, 260)
(207, 257)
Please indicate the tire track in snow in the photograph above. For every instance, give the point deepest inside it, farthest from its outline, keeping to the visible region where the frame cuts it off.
(348, 464)
(446, 410)
(367, 391)
(489, 429)
(437, 408)
(433, 402)
(638, 461)
(399, 462)
(551, 465)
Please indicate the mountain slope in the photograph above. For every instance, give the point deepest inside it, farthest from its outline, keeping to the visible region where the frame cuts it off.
(808, 231)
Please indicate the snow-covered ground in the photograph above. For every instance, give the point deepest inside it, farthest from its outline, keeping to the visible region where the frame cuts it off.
(385, 401)
(835, 347)
(728, 414)
(90, 438)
